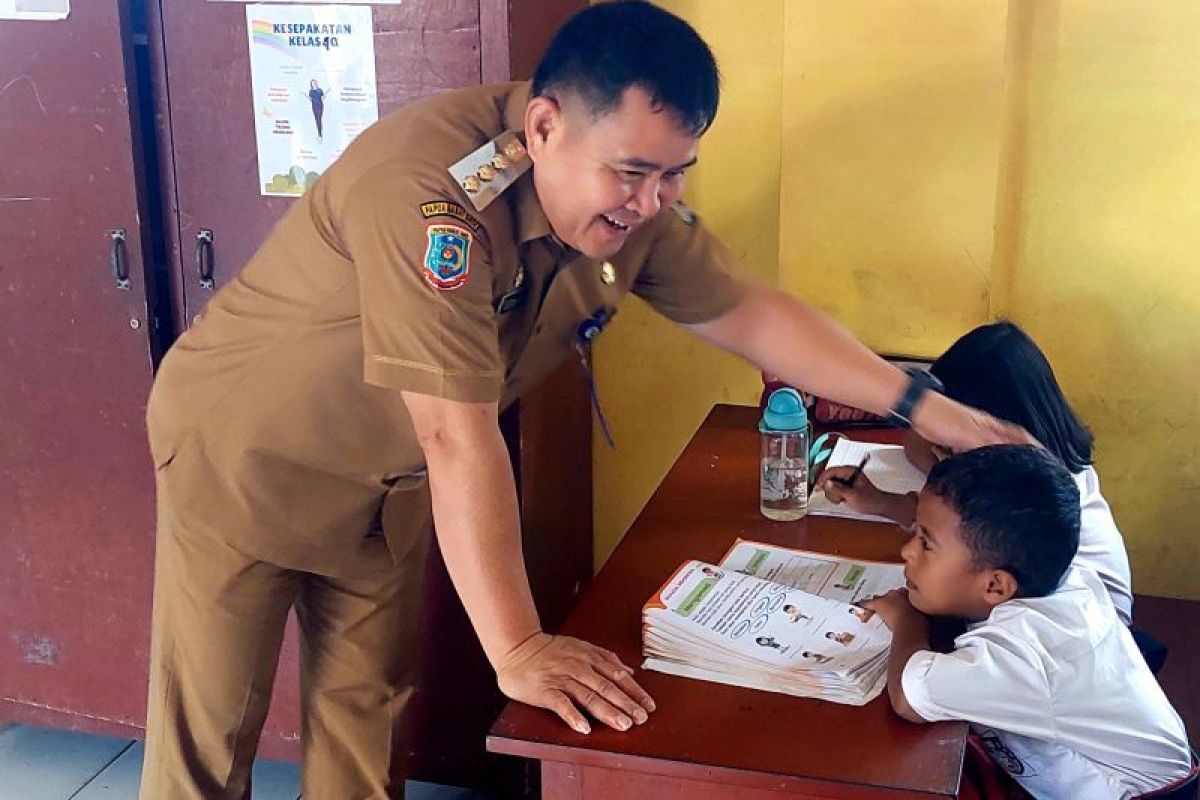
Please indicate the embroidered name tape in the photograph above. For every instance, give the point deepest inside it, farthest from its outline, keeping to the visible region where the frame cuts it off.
(446, 208)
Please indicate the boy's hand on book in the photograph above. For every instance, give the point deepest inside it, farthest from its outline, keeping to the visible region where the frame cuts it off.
(895, 610)
(862, 495)
(564, 674)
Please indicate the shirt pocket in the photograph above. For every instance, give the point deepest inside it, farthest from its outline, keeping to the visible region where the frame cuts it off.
(578, 292)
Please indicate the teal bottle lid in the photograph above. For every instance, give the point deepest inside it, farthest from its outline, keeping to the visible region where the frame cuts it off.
(784, 412)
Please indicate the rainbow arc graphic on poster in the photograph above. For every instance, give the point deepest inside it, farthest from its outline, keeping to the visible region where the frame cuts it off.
(263, 33)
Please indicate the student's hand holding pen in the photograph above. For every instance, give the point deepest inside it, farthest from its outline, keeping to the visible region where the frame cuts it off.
(845, 485)
(848, 485)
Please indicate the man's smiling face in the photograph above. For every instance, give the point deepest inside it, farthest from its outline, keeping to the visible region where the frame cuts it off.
(599, 178)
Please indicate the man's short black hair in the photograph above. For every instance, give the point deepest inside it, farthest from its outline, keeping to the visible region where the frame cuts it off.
(607, 48)
(1018, 509)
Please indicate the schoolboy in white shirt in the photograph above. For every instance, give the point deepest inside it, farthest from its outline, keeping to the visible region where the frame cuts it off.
(1046, 673)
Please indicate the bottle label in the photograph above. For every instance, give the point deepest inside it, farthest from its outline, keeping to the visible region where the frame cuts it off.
(783, 480)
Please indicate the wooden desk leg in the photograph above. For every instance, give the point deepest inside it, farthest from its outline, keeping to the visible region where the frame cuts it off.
(575, 782)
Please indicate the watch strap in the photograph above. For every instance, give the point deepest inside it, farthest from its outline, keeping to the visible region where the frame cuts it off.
(919, 382)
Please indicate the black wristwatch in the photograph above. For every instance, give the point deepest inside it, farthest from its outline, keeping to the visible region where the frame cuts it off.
(919, 382)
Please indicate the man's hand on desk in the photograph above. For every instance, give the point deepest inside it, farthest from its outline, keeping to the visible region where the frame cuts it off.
(562, 674)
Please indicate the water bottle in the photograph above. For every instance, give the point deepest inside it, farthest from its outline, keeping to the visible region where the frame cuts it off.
(783, 465)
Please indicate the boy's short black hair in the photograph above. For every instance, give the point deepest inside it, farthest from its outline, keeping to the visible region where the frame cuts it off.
(1018, 509)
(607, 48)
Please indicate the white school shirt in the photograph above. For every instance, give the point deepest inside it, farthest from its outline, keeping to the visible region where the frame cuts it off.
(1101, 547)
(1060, 694)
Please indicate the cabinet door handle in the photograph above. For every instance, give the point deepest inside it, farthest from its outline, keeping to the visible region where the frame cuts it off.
(204, 257)
(118, 258)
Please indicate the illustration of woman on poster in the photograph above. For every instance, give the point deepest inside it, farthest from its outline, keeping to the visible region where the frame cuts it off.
(316, 96)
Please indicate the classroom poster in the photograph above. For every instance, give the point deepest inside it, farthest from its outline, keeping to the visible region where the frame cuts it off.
(35, 9)
(312, 71)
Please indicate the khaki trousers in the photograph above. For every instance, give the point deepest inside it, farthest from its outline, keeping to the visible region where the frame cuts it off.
(217, 629)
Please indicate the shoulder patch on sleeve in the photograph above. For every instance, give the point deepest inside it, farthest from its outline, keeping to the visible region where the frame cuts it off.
(487, 172)
(686, 214)
(447, 208)
(447, 263)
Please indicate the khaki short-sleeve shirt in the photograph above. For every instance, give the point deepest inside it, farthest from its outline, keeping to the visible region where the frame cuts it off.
(275, 421)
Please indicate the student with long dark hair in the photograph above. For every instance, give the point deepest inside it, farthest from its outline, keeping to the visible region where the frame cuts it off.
(999, 369)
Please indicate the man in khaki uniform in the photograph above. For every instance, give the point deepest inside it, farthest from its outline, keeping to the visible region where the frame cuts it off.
(342, 393)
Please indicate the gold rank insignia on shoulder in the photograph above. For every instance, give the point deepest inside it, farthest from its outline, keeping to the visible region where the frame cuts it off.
(487, 172)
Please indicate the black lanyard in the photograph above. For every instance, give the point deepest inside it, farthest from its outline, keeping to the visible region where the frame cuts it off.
(587, 331)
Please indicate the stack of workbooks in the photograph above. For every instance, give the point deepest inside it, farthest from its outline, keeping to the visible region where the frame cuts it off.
(775, 619)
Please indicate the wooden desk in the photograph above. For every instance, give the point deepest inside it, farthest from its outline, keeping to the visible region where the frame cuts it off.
(707, 740)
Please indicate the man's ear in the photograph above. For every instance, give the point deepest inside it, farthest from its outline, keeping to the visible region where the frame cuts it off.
(1001, 587)
(543, 118)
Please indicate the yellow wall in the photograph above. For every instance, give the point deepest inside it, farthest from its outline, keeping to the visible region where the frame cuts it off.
(892, 127)
(1106, 272)
(918, 167)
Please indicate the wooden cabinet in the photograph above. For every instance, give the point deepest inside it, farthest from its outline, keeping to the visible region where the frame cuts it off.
(111, 126)
(76, 486)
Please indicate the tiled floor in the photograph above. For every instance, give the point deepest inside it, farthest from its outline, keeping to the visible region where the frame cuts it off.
(45, 764)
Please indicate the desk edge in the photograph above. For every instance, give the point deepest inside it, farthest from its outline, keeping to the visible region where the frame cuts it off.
(732, 776)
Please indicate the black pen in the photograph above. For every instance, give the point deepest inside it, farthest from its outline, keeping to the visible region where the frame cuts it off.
(848, 482)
